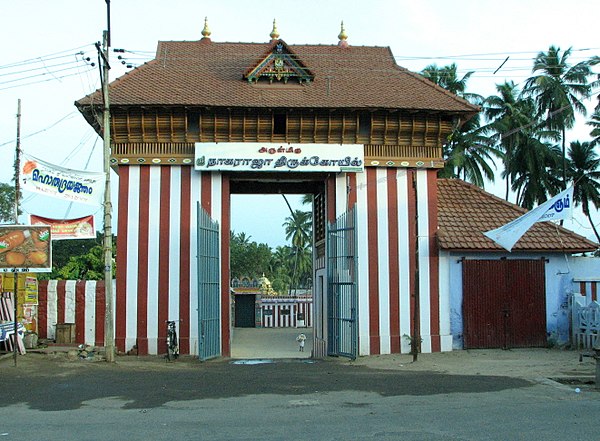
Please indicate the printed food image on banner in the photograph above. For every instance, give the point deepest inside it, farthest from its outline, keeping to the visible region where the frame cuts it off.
(80, 228)
(52, 180)
(25, 248)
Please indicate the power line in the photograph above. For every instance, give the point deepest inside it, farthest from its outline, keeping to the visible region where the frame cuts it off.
(67, 116)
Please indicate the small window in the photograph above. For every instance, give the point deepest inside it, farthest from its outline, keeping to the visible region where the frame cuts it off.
(193, 122)
(279, 124)
(364, 124)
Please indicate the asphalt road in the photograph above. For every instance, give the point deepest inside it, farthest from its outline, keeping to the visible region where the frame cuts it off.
(296, 400)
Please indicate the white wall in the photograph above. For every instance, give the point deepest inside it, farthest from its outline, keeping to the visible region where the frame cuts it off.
(560, 272)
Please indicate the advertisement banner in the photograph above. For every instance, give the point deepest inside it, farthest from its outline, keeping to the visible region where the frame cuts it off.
(71, 185)
(25, 248)
(272, 157)
(80, 228)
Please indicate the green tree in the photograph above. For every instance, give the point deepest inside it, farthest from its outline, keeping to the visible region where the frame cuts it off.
(298, 228)
(447, 77)
(89, 266)
(469, 152)
(7, 203)
(469, 149)
(511, 118)
(558, 89)
(280, 269)
(247, 258)
(595, 123)
(585, 175)
(535, 171)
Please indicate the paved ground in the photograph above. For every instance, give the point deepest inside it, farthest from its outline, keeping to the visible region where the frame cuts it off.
(534, 364)
(270, 343)
(462, 395)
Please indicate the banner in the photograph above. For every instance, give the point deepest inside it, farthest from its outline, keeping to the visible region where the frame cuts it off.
(80, 228)
(271, 157)
(559, 207)
(71, 185)
(25, 248)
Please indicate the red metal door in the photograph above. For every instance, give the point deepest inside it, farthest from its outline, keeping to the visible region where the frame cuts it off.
(504, 303)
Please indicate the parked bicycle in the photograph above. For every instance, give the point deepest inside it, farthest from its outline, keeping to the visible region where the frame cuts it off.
(172, 341)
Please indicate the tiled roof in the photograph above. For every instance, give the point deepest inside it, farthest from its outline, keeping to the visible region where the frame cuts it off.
(205, 73)
(466, 211)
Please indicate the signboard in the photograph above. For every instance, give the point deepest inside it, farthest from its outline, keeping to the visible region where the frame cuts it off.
(28, 291)
(25, 248)
(270, 157)
(80, 228)
(59, 182)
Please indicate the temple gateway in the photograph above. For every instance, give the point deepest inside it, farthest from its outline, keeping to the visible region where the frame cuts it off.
(204, 120)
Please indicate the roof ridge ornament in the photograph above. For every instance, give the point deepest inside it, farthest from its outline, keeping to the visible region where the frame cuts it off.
(279, 63)
(206, 31)
(343, 37)
(274, 33)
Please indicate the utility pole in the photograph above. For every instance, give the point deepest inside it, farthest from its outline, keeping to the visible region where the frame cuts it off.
(109, 341)
(18, 162)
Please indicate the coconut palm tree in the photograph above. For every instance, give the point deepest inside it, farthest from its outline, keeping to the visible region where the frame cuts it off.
(511, 118)
(559, 89)
(585, 174)
(534, 175)
(447, 77)
(469, 152)
(595, 123)
(298, 227)
(469, 149)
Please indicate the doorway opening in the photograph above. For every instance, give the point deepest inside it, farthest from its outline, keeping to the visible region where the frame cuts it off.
(272, 267)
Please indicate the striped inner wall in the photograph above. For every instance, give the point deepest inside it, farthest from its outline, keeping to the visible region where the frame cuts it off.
(272, 316)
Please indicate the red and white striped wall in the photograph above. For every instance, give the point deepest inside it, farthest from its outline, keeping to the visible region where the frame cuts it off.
(283, 313)
(157, 243)
(588, 287)
(390, 204)
(69, 301)
(156, 257)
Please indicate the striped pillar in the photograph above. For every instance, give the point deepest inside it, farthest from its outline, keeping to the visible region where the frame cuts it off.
(388, 209)
(156, 254)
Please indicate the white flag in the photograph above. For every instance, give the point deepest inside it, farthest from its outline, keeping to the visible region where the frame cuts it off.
(59, 182)
(559, 207)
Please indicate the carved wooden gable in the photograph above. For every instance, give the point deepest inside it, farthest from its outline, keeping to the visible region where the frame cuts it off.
(279, 64)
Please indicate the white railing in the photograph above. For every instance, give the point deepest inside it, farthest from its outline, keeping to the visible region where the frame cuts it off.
(585, 322)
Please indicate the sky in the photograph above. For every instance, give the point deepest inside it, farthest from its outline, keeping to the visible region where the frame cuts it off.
(41, 62)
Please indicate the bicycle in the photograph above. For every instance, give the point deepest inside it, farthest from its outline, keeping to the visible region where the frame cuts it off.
(172, 342)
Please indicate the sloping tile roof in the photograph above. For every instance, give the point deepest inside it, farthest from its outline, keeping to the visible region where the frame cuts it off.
(466, 211)
(205, 73)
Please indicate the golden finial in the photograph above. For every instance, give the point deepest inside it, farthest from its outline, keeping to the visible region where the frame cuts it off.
(206, 31)
(274, 33)
(343, 36)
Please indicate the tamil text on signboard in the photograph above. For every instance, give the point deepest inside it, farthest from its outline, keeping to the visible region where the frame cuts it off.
(272, 157)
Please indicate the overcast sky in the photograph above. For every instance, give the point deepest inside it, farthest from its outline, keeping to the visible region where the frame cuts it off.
(477, 35)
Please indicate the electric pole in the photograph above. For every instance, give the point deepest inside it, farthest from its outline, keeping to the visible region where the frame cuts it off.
(109, 341)
(18, 162)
